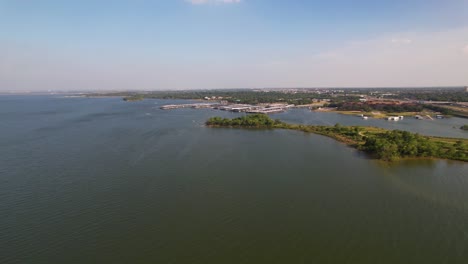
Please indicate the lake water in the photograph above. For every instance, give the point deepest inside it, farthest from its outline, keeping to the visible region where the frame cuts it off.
(98, 180)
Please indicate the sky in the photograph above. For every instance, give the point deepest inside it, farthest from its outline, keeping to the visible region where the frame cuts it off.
(215, 44)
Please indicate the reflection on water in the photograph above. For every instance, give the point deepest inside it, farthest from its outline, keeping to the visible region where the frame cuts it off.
(430, 180)
(406, 163)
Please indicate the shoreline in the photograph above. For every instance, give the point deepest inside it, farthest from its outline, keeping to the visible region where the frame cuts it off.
(380, 144)
(378, 114)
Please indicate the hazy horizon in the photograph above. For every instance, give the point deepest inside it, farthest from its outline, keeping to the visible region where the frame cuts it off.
(232, 44)
(222, 89)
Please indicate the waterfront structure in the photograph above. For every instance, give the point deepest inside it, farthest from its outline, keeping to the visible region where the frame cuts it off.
(269, 110)
(237, 108)
(394, 118)
(169, 107)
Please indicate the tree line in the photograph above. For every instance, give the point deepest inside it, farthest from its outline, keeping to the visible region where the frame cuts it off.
(366, 107)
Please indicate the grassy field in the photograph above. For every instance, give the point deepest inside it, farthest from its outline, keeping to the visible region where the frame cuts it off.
(382, 115)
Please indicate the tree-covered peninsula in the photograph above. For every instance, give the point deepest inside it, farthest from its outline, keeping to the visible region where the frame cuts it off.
(379, 143)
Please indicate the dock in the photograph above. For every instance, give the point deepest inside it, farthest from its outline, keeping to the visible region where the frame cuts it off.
(237, 108)
(395, 118)
(169, 107)
(271, 110)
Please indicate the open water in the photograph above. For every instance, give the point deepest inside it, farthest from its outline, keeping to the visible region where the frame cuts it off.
(99, 180)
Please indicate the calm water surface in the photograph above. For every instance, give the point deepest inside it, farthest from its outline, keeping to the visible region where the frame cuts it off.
(99, 180)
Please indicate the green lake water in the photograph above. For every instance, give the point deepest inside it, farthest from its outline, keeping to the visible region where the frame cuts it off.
(99, 180)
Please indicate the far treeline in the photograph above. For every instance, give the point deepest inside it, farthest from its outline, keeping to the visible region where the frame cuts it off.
(433, 95)
(237, 96)
(303, 96)
(379, 143)
(390, 108)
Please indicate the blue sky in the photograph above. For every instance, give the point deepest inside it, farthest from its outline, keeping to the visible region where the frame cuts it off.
(179, 44)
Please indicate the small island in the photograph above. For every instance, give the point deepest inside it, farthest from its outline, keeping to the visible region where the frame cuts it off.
(382, 144)
(133, 98)
(464, 127)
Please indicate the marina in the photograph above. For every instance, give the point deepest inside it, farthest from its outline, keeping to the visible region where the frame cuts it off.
(237, 108)
(395, 118)
(195, 106)
(273, 108)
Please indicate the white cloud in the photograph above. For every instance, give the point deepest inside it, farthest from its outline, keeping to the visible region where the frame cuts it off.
(327, 55)
(203, 2)
(465, 50)
(400, 41)
(432, 59)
